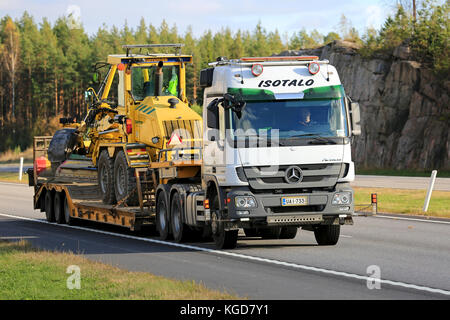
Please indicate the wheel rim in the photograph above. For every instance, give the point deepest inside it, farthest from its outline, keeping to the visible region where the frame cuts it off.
(103, 178)
(214, 223)
(120, 178)
(162, 215)
(176, 218)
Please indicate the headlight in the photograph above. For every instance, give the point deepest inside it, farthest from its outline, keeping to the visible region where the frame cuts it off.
(342, 198)
(245, 202)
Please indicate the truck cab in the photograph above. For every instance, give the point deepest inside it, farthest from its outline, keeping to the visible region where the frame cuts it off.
(277, 147)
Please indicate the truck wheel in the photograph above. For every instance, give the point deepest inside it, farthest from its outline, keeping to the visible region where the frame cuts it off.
(67, 218)
(106, 177)
(327, 235)
(288, 232)
(224, 239)
(49, 212)
(251, 232)
(58, 207)
(179, 229)
(125, 181)
(270, 232)
(162, 217)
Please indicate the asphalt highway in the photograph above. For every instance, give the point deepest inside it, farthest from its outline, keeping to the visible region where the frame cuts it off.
(412, 256)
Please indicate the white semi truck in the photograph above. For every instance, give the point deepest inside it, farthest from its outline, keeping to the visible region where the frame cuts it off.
(273, 155)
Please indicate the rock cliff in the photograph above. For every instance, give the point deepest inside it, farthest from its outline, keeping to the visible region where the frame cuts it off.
(404, 108)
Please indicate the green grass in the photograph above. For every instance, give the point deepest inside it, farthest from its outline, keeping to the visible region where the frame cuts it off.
(409, 173)
(13, 177)
(29, 273)
(404, 201)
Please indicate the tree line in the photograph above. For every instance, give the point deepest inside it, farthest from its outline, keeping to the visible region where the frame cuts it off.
(47, 67)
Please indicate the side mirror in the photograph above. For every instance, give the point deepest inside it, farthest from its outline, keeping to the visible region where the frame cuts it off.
(88, 97)
(96, 77)
(212, 114)
(356, 118)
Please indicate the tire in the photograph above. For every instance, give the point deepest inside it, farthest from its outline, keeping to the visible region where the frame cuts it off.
(270, 233)
(251, 232)
(125, 181)
(67, 218)
(180, 231)
(162, 217)
(61, 145)
(222, 238)
(58, 202)
(49, 212)
(288, 232)
(327, 235)
(105, 168)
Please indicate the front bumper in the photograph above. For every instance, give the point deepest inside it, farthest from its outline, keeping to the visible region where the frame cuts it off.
(270, 211)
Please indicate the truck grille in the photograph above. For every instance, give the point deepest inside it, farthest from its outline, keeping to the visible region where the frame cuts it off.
(314, 175)
(192, 127)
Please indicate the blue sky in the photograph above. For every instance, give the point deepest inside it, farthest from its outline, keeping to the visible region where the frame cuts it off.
(286, 16)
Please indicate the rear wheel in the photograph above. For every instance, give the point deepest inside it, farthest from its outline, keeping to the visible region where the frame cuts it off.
(58, 207)
(179, 229)
(327, 235)
(49, 212)
(106, 177)
(288, 232)
(162, 216)
(67, 218)
(125, 181)
(224, 239)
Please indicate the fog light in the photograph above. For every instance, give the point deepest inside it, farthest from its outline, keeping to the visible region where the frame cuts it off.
(241, 213)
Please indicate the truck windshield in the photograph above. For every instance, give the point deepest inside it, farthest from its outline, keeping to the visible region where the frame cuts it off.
(295, 119)
(143, 81)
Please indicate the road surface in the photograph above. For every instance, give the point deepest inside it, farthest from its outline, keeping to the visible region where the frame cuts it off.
(413, 257)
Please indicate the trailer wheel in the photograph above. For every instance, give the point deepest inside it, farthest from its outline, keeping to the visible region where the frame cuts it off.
(179, 229)
(125, 181)
(288, 232)
(224, 239)
(270, 232)
(67, 218)
(106, 177)
(49, 212)
(162, 217)
(327, 235)
(58, 207)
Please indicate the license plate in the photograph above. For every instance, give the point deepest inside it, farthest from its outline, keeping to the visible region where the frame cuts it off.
(294, 201)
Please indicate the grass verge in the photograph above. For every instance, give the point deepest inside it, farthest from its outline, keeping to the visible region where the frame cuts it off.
(405, 201)
(13, 177)
(29, 273)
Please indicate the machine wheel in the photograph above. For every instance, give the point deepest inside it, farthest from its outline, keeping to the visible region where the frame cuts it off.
(125, 181)
(58, 202)
(49, 212)
(224, 239)
(288, 232)
(106, 177)
(251, 232)
(67, 218)
(179, 229)
(327, 235)
(162, 217)
(270, 232)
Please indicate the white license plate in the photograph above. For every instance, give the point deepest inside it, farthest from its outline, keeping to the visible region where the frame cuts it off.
(294, 201)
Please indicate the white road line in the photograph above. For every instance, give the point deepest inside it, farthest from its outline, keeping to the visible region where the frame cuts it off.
(245, 257)
(411, 219)
(345, 236)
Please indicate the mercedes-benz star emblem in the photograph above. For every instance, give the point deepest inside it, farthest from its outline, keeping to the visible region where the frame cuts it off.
(293, 175)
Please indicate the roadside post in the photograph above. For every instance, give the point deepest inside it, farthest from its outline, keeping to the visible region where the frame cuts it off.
(430, 190)
(374, 203)
(21, 169)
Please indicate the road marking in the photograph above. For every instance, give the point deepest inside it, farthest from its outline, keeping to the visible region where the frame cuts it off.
(345, 236)
(412, 219)
(244, 257)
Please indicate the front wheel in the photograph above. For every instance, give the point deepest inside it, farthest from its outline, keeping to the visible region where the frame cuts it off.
(125, 181)
(106, 177)
(224, 239)
(327, 235)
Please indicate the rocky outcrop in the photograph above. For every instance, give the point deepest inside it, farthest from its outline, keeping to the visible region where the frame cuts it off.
(405, 108)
